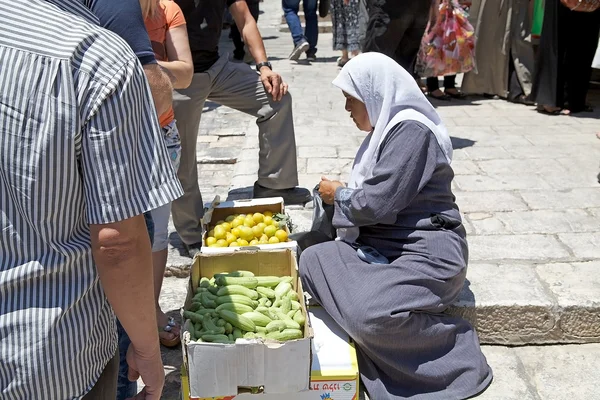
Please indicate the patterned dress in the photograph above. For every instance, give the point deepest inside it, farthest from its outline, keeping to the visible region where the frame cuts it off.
(346, 25)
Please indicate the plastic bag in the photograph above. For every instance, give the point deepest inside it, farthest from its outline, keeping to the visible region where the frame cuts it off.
(322, 216)
(448, 47)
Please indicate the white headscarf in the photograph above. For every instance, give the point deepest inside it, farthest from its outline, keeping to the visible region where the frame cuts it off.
(391, 95)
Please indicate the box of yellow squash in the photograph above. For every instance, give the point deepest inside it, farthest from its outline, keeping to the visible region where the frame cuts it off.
(256, 367)
(231, 226)
(334, 372)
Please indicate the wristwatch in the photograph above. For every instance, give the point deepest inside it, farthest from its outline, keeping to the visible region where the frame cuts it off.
(263, 64)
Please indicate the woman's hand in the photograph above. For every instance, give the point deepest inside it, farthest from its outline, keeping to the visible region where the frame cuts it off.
(327, 189)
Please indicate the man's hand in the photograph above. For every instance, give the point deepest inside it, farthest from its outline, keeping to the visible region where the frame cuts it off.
(274, 84)
(327, 189)
(150, 368)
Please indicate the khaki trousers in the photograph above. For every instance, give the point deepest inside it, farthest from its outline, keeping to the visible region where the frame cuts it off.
(106, 386)
(237, 86)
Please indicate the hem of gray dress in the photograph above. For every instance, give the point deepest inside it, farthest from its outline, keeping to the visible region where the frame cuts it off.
(482, 387)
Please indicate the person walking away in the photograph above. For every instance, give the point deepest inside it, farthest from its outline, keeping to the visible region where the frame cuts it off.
(567, 46)
(263, 95)
(79, 135)
(168, 34)
(346, 21)
(395, 28)
(504, 56)
(304, 42)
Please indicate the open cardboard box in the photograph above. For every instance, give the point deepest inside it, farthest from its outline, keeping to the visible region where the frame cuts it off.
(221, 370)
(217, 211)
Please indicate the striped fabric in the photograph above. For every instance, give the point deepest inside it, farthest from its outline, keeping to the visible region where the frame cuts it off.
(79, 144)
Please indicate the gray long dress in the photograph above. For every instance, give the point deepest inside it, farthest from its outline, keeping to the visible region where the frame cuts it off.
(407, 347)
(503, 35)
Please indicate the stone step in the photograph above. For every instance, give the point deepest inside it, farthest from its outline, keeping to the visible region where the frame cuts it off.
(324, 27)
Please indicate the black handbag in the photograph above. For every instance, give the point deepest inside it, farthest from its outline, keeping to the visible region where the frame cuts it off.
(323, 8)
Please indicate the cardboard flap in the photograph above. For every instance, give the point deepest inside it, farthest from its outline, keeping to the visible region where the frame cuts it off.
(333, 355)
(216, 377)
(281, 369)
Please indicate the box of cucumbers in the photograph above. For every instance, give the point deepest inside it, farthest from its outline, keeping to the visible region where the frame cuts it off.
(245, 315)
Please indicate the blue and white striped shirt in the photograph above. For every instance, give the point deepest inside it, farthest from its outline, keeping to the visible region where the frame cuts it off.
(79, 144)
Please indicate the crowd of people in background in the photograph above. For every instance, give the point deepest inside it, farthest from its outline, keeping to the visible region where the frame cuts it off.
(552, 72)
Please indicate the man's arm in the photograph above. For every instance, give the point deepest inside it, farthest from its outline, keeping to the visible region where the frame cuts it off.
(161, 87)
(123, 259)
(246, 24)
(125, 19)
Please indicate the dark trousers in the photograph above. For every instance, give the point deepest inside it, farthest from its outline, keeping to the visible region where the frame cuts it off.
(395, 28)
(239, 52)
(563, 64)
(433, 83)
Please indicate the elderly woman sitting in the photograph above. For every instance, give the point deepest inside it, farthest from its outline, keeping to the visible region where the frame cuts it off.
(399, 202)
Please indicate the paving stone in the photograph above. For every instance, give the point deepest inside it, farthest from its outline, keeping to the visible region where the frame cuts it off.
(532, 247)
(489, 201)
(543, 166)
(559, 199)
(548, 221)
(540, 151)
(510, 381)
(487, 153)
(565, 372)
(329, 166)
(507, 304)
(501, 182)
(223, 155)
(487, 224)
(465, 167)
(584, 245)
(576, 288)
(317, 151)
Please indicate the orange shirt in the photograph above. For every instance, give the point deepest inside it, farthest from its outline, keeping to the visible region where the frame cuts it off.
(169, 16)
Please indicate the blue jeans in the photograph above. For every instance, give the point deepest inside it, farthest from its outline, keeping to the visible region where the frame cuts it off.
(311, 34)
(125, 388)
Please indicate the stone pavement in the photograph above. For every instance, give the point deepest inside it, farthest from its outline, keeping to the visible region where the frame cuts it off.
(525, 183)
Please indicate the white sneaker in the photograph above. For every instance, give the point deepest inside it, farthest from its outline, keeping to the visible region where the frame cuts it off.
(298, 50)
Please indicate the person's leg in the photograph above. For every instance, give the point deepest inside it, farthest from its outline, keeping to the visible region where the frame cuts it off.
(238, 86)
(582, 35)
(236, 37)
(548, 85)
(383, 34)
(433, 84)
(290, 10)
(311, 31)
(189, 209)
(168, 330)
(125, 388)
(106, 386)
(410, 42)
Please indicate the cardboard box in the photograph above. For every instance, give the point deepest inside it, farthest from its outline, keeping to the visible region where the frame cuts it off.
(218, 210)
(229, 369)
(306, 395)
(334, 372)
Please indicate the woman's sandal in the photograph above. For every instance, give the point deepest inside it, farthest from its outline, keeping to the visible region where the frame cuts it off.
(169, 328)
(551, 111)
(442, 97)
(341, 62)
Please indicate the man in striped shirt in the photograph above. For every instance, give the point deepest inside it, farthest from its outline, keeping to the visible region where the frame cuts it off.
(81, 159)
